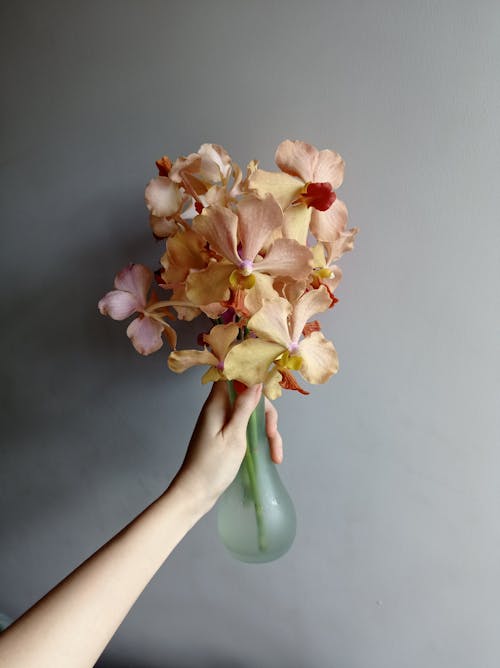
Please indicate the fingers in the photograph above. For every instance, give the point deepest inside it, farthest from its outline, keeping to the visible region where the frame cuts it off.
(216, 407)
(275, 440)
(244, 405)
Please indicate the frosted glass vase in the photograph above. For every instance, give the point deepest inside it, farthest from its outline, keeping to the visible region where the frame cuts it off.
(255, 516)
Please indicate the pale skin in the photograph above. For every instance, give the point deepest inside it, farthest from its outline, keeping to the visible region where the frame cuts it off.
(71, 625)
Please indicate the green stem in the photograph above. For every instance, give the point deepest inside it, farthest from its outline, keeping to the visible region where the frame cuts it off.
(249, 462)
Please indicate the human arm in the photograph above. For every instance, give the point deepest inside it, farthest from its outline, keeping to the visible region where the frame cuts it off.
(73, 623)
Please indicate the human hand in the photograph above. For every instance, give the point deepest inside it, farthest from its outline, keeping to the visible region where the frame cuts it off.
(218, 443)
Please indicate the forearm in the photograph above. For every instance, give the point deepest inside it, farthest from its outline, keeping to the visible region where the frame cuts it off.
(73, 623)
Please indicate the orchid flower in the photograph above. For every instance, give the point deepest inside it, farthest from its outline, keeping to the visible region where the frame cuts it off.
(130, 295)
(220, 339)
(239, 239)
(205, 176)
(279, 327)
(308, 181)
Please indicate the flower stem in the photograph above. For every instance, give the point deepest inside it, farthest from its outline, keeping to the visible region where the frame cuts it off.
(250, 464)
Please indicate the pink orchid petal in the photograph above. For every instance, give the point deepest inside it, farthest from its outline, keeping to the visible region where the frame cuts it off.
(219, 226)
(332, 282)
(297, 158)
(213, 310)
(216, 162)
(180, 360)
(220, 338)
(329, 168)
(319, 358)
(163, 197)
(119, 304)
(312, 302)
(257, 218)
(326, 225)
(249, 360)
(136, 279)
(145, 335)
(286, 257)
(341, 245)
(271, 321)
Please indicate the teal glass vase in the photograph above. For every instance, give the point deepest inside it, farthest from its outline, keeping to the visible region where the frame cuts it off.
(256, 518)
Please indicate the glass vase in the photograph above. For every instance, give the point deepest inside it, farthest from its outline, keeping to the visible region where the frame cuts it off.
(255, 516)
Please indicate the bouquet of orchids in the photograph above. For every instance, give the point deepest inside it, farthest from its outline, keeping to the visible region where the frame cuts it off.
(255, 253)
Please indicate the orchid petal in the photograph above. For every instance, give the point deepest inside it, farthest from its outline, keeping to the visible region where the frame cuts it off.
(145, 334)
(271, 321)
(319, 255)
(185, 251)
(162, 228)
(262, 290)
(180, 360)
(332, 282)
(249, 360)
(219, 226)
(297, 158)
(257, 218)
(136, 279)
(119, 304)
(187, 312)
(212, 375)
(329, 168)
(283, 187)
(341, 245)
(312, 302)
(214, 156)
(213, 310)
(319, 358)
(209, 285)
(326, 225)
(296, 222)
(220, 339)
(163, 197)
(272, 388)
(286, 257)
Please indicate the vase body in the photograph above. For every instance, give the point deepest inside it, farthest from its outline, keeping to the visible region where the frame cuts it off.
(255, 516)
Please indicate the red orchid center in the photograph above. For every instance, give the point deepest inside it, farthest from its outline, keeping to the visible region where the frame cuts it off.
(319, 195)
(220, 366)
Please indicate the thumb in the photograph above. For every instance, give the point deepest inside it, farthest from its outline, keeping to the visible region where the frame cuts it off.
(245, 404)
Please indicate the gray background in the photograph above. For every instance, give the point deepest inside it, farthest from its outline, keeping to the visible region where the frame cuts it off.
(394, 465)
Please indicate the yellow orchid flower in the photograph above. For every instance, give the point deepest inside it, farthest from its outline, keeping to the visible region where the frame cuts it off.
(219, 339)
(278, 327)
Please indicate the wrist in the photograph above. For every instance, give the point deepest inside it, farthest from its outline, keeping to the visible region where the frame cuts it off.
(194, 496)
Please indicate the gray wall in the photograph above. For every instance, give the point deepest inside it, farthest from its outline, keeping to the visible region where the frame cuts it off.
(394, 465)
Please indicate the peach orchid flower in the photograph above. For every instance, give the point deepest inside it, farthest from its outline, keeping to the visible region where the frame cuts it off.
(132, 285)
(308, 181)
(239, 239)
(279, 327)
(220, 339)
